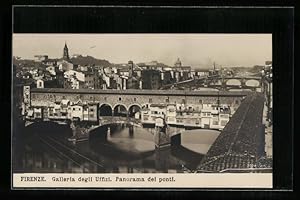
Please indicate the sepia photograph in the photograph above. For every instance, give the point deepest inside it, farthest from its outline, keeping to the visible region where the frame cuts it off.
(141, 104)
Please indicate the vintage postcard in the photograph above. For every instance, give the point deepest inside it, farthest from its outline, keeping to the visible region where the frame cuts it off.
(142, 111)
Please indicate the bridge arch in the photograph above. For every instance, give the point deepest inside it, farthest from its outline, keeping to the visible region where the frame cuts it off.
(120, 110)
(105, 109)
(234, 82)
(133, 109)
(144, 106)
(252, 83)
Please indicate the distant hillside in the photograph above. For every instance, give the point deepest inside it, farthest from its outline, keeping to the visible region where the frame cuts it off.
(257, 68)
(89, 60)
(163, 65)
(18, 64)
(154, 63)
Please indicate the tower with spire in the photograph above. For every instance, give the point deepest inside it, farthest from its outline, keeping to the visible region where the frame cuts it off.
(66, 52)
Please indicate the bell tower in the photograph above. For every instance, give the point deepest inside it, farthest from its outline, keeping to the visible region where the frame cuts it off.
(66, 52)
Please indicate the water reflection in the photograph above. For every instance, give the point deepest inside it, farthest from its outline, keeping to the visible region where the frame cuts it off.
(111, 149)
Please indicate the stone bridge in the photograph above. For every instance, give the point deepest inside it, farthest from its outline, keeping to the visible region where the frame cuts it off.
(126, 102)
(81, 130)
(114, 99)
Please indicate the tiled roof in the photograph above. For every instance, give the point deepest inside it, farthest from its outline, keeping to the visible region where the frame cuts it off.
(238, 145)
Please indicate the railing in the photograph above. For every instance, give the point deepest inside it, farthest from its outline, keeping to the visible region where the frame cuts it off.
(104, 120)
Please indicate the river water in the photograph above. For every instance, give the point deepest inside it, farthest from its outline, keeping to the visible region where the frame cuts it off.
(126, 149)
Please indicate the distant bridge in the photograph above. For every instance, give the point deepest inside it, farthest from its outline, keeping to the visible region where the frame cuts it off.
(219, 82)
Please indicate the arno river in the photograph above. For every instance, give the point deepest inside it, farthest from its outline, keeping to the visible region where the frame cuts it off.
(128, 149)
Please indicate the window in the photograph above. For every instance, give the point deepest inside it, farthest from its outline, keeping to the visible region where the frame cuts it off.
(91, 98)
(104, 98)
(134, 99)
(92, 110)
(215, 123)
(225, 116)
(150, 100)
(237, 101)
(223, 122)
(120, 98)
(183, 101)
(200, 101)
(167, 100)
(171, 110)
(73, 109)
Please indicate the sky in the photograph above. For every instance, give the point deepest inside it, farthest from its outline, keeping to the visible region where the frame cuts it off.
(196, 50)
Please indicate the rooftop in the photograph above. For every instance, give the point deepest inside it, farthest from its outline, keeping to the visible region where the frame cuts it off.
(239, 144)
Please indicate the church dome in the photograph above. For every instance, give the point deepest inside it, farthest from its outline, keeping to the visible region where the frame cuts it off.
(178, 62)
